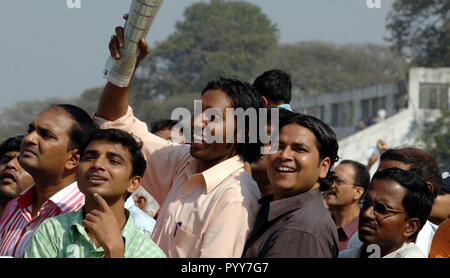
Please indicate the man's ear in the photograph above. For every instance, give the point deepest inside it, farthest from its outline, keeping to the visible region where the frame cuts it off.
(73, 161)
(359, 192)
(412, 226)
(265, 101)
(134, 184)
(324, 167)
(430, 186)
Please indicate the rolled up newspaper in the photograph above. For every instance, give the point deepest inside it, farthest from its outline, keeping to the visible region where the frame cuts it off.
(140, 19)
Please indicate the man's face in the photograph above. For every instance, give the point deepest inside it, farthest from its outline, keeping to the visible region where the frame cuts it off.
(296, 166)
(343, 191)
(219, 100)
(13, 178)
(45, 148)
(105, 168)
(388, 229)
(167, 133)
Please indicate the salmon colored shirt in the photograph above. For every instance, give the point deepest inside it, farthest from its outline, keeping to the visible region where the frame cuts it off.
(440, 248)
(203, 214)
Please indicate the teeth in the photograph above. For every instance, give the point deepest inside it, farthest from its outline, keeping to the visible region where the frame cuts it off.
(285, 169)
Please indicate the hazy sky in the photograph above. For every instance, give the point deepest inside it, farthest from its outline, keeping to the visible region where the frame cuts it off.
(48, 49)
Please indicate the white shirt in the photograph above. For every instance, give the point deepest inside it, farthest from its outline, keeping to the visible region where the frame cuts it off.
(423, 241)
(408, 250)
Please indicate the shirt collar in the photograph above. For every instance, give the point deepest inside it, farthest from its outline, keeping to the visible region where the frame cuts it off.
(351, 226)
(127, 232)
(280, 207)
(218, 173)
(28, 196)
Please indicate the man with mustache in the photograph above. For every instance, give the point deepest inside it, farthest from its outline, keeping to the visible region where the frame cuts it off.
(13, 178)
(110, 169)
(50, 153)
(395, 208)
(293, 222)
(350, 180)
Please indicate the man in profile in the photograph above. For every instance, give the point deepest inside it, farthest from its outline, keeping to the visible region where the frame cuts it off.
(350, 181)
(13, 178)
(50, 152)
(111, 168)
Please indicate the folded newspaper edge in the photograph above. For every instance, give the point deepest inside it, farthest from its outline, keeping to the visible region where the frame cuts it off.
(141, 16)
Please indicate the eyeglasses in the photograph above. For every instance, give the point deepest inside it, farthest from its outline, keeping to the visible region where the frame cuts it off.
(378, 207)
(338, 181)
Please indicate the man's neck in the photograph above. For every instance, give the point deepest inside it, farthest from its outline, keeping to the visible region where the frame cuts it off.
(205, 165)
(116, 207)
(344, 214)
(45, 190)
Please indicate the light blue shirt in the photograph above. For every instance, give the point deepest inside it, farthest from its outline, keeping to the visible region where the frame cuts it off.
(140, 218)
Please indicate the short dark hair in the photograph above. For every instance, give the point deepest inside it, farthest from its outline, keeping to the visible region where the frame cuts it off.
(125, 139)
(162, 124)
(243, 96)
(421, 162)
(419, 199)
(11, 144)
(326, 141)
(83, 125)
(362, 174)
(275, 85)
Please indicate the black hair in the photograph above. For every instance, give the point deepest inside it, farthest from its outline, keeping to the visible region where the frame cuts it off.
(243, 96)
(421, 162)
(326, 141)
(162, 124)
(419, 199)
(11, 144)
(362, 174)
(82, 126)
(125, 139)
(275, 85)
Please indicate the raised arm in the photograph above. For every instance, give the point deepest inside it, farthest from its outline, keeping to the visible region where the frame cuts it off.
(113, 102)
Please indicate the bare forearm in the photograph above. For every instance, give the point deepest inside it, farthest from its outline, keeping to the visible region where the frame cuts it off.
(113, 103)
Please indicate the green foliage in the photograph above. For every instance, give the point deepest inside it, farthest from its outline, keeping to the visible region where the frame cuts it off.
(318, 67)
(436, 136)
(421, 28)
(228, 38)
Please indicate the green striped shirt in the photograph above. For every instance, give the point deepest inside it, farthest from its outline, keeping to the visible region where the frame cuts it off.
(64, 236)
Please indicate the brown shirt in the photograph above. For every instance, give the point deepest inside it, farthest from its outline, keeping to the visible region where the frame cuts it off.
(294, 227)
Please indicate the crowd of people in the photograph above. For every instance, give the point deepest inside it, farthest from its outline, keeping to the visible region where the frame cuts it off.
(77, 186)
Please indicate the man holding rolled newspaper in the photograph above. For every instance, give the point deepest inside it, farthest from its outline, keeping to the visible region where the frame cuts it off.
(208, 201)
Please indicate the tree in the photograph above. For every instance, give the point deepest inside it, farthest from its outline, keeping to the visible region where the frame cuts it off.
(421, 28)
(318, 67)
(228, 38)
(436, 136)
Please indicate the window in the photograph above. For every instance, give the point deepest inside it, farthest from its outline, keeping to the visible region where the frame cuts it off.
(433, 96)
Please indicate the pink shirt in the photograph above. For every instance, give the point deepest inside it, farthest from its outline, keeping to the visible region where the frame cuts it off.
(206, 214)
(17, 225)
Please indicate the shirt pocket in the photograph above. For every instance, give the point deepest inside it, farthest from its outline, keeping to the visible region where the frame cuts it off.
(186, 244)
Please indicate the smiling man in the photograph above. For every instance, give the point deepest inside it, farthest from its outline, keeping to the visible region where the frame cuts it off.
(208, 202)
(110, 170)
(13, 178)
(293, 222)
(395, 208)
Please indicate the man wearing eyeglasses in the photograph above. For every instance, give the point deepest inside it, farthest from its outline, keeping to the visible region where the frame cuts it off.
(350, 180)
(395, 208)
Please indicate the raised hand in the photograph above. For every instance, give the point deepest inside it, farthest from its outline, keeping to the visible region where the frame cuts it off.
(117, 41)
(105, 228)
